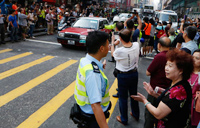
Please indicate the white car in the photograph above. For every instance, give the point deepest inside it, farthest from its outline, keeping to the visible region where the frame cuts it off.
(121, 17)
(168, 15)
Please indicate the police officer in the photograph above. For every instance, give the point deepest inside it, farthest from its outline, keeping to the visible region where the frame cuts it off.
(91, 89)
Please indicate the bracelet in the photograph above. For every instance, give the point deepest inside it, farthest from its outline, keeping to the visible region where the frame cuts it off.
(146, 104)
(112, 45)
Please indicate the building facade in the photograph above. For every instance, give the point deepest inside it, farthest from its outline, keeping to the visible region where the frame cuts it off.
(183, 7)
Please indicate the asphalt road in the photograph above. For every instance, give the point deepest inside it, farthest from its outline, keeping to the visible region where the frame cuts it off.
(37, 84)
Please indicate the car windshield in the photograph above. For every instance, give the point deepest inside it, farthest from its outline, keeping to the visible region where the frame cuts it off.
(86, 23)
(125, 15)
(148, 7)
(168, 17)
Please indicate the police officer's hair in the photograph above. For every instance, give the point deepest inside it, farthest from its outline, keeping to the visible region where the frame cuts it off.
(125, 34)
(165, 42)
(191, 32)
(130, 24)
(95, 40)
(119, 26)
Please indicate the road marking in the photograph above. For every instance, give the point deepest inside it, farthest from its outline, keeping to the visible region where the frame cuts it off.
(23, 67)
(5, 50)
(14, 57)
(42, 114)
(45, 42)
(113, 91)
(4, 99)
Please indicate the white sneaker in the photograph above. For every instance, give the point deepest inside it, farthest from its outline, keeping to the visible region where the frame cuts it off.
(33, 37)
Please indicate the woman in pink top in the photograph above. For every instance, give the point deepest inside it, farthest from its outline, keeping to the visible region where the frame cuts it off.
(195, 84)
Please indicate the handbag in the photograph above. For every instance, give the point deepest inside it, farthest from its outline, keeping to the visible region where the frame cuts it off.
(197, 101)
(115, 72)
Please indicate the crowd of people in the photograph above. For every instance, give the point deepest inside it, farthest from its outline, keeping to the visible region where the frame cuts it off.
(21, 21)
(174, 73)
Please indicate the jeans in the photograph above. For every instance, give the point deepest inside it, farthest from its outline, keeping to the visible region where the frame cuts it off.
(13, 34)
(128, 83)
(31, 30)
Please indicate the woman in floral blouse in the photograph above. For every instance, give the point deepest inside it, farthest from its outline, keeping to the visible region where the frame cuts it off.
(174, 103)
(195, 84)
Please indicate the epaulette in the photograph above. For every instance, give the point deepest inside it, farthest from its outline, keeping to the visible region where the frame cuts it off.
(95, 67)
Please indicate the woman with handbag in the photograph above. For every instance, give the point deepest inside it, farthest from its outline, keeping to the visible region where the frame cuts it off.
(195, 84)
(174, 103)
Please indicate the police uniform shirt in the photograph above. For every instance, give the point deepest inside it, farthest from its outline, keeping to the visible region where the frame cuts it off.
(95, 85)
(127, 57)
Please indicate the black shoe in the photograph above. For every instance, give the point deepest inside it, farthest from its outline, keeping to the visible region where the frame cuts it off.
(16, 41)
(116, 95)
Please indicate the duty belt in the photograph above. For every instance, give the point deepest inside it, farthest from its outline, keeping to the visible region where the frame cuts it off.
(130, 71)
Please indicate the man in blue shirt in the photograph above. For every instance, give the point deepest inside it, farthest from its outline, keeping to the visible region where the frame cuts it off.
(91, 89)
(13, 22)
(190, 45)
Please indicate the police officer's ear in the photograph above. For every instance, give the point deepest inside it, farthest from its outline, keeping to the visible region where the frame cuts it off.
(102, 48)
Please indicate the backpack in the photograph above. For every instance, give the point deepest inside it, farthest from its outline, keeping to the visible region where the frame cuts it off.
(160, 33)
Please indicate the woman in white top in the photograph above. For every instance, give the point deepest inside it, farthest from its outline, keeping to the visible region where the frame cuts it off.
(126, 58)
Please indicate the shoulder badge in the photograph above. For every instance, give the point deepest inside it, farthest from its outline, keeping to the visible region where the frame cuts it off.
(95, 67)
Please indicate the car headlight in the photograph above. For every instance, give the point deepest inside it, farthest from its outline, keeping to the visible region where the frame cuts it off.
(61, 34)
(82, 37)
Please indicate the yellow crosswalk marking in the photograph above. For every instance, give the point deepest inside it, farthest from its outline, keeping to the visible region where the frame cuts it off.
(4, 99)
(42, 114)
(113, 91)
(15, 57)
(23, 67)
(5, 50)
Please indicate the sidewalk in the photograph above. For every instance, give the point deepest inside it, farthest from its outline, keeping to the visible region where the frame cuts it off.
(36, 32)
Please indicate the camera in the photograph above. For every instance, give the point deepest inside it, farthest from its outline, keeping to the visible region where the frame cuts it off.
(135, 12)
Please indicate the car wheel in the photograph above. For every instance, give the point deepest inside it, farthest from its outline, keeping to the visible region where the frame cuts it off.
(64, 45)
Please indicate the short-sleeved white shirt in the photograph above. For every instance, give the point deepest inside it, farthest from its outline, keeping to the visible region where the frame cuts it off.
(127, 57)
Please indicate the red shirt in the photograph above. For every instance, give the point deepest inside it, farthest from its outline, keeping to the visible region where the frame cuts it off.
(157, 70)
(14, 7)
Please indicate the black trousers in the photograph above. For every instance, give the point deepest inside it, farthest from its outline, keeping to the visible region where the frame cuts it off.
(150, 120)
(2, 32)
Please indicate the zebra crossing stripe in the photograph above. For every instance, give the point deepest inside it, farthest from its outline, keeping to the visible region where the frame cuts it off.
(42, 114)
(5, 50)
(15, 57)
(23, 67)
(4, 99)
